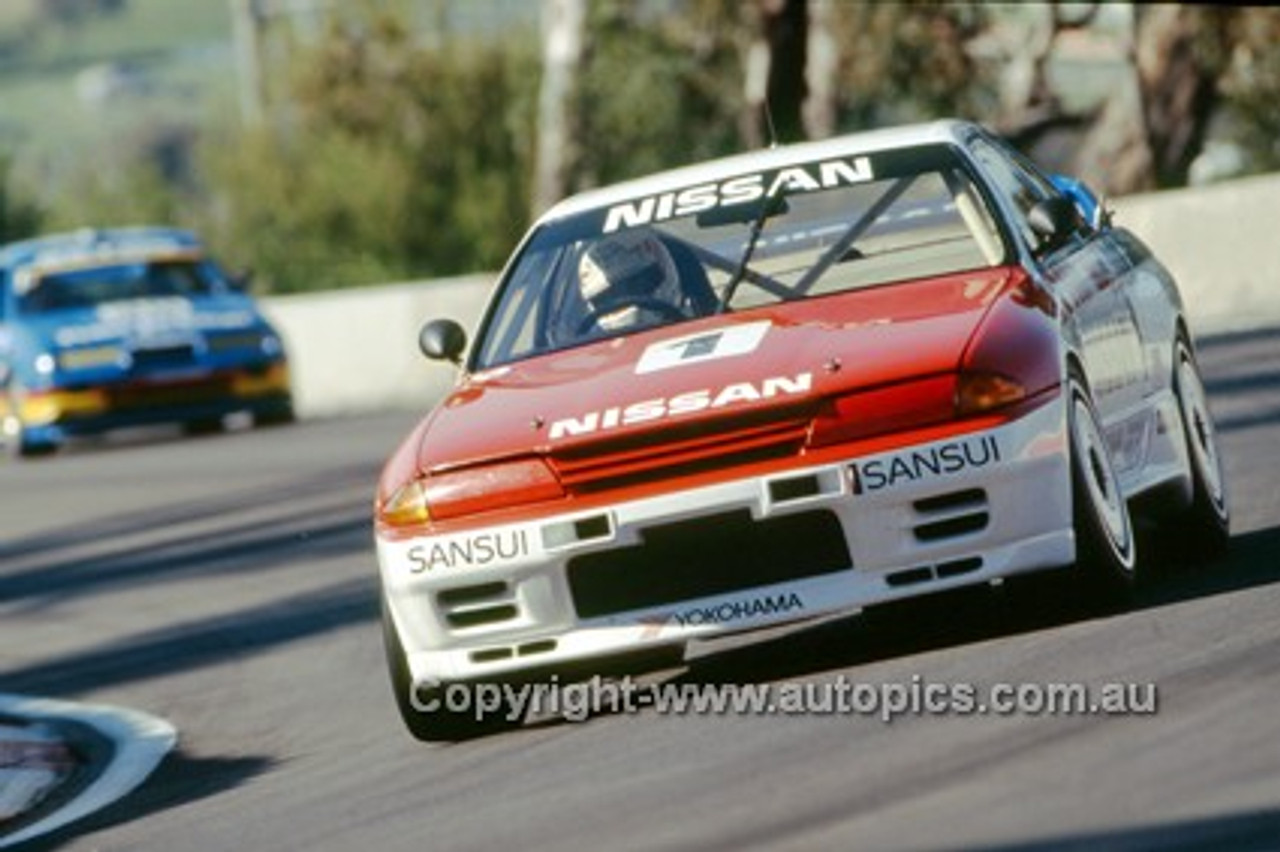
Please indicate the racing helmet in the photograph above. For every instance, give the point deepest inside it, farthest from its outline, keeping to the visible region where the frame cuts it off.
(626, 280)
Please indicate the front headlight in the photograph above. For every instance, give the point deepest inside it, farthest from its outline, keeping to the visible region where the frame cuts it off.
(979, 392)
(469, 491)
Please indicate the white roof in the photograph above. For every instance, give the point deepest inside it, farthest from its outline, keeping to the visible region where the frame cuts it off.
(711, 171)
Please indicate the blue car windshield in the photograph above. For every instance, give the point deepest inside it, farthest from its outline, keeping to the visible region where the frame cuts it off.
(92, 286)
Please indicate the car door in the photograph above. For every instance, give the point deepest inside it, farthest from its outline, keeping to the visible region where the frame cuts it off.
(1091, 276)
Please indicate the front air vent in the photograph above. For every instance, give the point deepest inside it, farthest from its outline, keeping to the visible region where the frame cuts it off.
(952, 527)
(951, 515)
(462, 619)
(956, 500)
(528, 649)
(929, 573)
(477, 605)
(463, 595)
(909, 577)
(707, 556)
(795, 488)
(957, 567)
(542, 646)
(161, 358)
(491, 655)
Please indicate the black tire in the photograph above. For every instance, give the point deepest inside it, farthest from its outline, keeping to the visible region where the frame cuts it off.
(1106, 544)
(203, 426)
(18, 444)
(19, 447)
(440, 725)
(1204, 529)
(279, 416)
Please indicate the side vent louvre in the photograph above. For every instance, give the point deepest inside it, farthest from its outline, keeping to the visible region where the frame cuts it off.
(478, 605)
(929, 573)
(952, 515)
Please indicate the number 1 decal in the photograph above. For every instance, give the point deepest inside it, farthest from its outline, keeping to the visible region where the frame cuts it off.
(706, 346)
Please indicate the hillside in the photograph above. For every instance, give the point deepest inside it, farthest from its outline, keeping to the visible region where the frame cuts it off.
(69, 89)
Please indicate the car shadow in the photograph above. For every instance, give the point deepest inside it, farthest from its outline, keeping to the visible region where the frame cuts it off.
(1246, 830)
(187, 646)
(179, 780)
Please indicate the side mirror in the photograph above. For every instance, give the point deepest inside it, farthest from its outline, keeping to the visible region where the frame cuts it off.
(442, 340)
(1054, 220)
(1092, 208)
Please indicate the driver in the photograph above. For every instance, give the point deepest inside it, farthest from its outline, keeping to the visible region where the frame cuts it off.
(629, 281)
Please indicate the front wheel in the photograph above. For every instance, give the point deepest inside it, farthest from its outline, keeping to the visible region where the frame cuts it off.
(19, 444)
(1106, 547)
(439, 724)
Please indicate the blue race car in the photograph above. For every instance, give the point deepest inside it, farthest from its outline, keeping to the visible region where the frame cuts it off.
(102, 329)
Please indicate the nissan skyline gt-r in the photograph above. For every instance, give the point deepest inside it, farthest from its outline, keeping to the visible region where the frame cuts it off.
(102, 329)
(783, 385)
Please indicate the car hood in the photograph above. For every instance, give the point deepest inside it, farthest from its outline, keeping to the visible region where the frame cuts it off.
(792, 354)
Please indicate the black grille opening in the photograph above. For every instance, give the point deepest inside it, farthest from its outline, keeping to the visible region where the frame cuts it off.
(593, 527)
(952, 527)
(476, 617)
(707, 556)
(783, 490)
(168, 356)
(969, 498)
(489, 655)
(959, 566)
(909, 577)
(470, 594)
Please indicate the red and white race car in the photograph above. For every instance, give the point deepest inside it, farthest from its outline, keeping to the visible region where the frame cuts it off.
(782, 385)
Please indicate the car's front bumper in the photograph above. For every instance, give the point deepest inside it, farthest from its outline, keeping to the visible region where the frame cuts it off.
(744, 554)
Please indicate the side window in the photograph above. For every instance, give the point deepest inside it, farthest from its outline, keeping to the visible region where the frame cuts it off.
(1021, 187)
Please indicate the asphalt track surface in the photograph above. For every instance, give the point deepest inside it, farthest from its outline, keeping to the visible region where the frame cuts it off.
(226, 583)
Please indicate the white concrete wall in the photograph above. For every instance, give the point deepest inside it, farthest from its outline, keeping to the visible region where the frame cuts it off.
(357, 350)
(1222, 243)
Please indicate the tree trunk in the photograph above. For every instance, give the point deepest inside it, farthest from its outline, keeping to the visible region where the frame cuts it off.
(1152, 128)
(563, 31)
(1179, 84)
(822, 72)
(775, 74)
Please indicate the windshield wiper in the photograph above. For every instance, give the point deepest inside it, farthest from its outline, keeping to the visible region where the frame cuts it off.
(770, 206)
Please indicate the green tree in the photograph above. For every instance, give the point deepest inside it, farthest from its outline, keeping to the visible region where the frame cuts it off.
(657, 90)
(1251, 84)
(20, 216)
(903, 62)
(391, 158)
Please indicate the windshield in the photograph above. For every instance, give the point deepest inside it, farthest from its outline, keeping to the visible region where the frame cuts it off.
(808, 230)
(89, 287)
